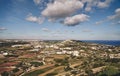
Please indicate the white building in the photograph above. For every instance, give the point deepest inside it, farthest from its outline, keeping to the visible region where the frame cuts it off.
(68, 48)
(75, 53)
(94, 48)
(115, 55)
(16, 45)
(82, 50)
(59, 52)
(38, 46)
(34, 50)
(5, 53)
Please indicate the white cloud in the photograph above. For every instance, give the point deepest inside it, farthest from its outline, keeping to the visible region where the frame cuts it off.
(77, 19)
(89, 4)
(45, 29)
(115, 19)
(61, 8)
(37, 2)
(95, 3)
(116, 15)
(32, 18)
(2, 28)
(104, 4)
(88, 9)
(100, 22)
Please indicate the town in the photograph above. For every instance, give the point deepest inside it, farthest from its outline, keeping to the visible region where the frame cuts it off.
(58, 58)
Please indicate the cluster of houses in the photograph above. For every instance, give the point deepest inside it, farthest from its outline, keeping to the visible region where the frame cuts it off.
(43, 51)
(21, 45)
(60, 52)
(74, 53)
(117, 56)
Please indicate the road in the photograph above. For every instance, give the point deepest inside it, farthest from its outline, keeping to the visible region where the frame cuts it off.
(98, 69)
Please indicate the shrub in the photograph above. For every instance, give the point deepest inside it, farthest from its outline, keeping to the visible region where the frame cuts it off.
(51, 74)
(109, 71)
(36, 64)
(15, 70)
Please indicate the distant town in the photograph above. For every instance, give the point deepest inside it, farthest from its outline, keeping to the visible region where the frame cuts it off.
(58, 58)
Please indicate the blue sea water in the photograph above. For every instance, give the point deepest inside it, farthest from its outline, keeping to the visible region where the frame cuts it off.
(106, 42)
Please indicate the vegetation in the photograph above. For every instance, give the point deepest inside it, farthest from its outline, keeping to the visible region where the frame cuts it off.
(95, 65)
(89, 72)
(91, 62)
(113, 60)
(67, 68)
(109, 71)
(15, 70)
(51, 74)
(36, 64)
(11, 56)
(37, 72)
(62, 61)
(7, 44)
(5, 73)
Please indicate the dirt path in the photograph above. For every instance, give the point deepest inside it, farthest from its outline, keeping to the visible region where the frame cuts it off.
(73, 65)
(95, 70)
(52, 70)
(62, 74)
(41, 67)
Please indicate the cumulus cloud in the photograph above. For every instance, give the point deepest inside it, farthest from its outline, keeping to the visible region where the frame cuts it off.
(89, 4)
(95, 3)
(61, 8)
(66, 10)
(104, 4)
(77, 19)
(32, 18)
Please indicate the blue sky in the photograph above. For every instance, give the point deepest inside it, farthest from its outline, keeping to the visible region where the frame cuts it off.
(60, 19)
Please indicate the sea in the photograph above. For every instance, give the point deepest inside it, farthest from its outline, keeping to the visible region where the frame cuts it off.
(105, 42)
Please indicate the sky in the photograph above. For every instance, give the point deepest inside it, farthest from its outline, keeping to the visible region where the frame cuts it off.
(60, 19)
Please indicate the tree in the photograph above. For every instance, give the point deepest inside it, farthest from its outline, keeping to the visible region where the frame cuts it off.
(67, 68)
(89, 72)
(109, 71)
(15, 70)
(5, 73)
